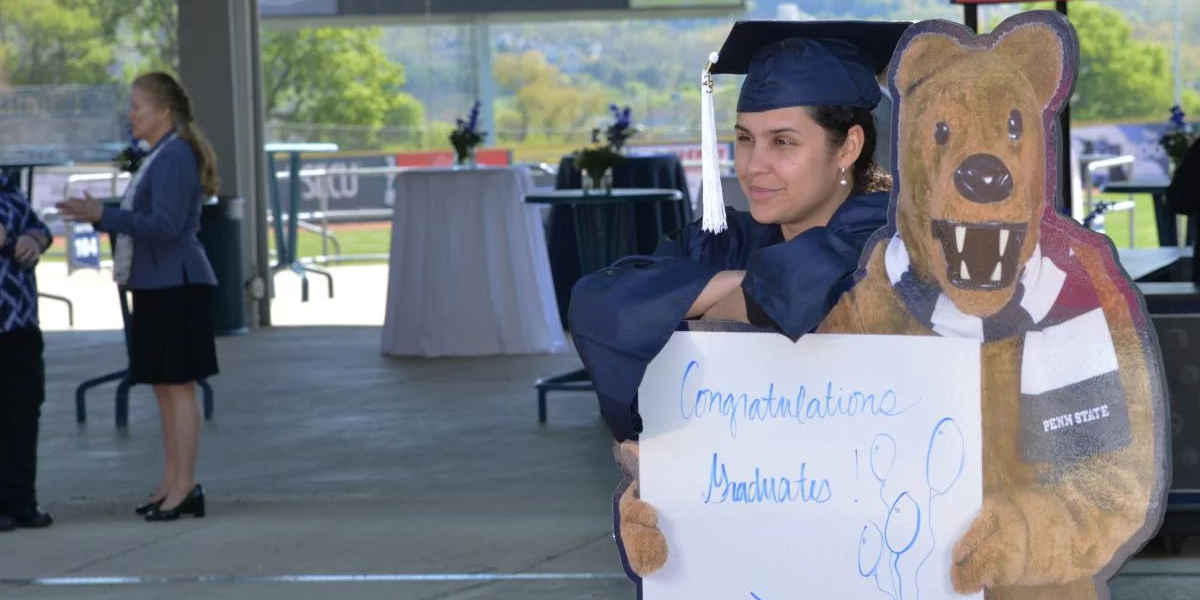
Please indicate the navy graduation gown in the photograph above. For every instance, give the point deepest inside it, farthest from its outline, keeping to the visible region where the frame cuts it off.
(622, 316)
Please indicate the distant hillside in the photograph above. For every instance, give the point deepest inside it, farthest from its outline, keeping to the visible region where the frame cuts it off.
(858, 9)
(652, 64)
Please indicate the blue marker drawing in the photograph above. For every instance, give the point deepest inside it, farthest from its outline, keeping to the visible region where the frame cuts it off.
(900, 532)
(803, 406)
(870, 548)
(883, 456)
(755, 596)
(880, 549)
(944, 464)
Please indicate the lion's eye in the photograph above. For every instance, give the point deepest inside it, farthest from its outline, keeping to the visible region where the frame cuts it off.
(1015, 124)
(941, 133)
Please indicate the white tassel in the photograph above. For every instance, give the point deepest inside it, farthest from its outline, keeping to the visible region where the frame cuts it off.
(713, 198)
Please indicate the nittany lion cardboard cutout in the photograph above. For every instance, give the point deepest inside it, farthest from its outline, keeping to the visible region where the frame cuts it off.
(1074, 417)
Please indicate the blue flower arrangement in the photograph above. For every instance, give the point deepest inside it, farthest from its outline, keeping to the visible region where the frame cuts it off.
(1178, 118)
(619, 132)
(1178, 138)
(130, 159)
(466, 136)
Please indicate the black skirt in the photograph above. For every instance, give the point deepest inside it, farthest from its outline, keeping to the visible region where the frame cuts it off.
(171, 339)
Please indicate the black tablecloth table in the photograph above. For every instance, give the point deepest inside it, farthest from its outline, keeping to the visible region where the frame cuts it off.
(651, 219)
(604, 226)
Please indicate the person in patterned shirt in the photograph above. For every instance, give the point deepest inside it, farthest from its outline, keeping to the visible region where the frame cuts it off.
(23, 239)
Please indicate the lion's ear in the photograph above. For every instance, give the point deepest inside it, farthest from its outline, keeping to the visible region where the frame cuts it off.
(1037, 53)
(923, 55)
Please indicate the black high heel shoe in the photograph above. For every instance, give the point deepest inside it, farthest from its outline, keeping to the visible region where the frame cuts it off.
(193, 505)
(149, 506)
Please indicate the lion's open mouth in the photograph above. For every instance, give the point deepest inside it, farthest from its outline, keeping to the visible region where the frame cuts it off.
(980, 256)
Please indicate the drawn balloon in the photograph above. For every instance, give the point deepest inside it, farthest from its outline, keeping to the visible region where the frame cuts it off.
(903, 524)
(883, 456)
(870, 549)
(946, 458)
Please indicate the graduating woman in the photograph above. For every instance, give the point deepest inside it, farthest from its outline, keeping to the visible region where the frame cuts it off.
(804, 158)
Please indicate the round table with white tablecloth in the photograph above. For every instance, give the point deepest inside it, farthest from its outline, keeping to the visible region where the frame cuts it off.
(469, 273)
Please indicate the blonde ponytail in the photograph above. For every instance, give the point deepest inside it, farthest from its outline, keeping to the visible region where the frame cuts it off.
(206, 157)
(168, 93)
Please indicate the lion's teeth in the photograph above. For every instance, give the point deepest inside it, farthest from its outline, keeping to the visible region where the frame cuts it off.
(996, 273)
(960, 235)
(1003, 242)
(963, 272)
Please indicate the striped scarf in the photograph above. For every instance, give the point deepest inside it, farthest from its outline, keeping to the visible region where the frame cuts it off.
(1071, 400)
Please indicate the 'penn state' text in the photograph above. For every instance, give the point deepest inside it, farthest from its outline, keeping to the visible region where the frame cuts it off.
(762, 489)
(801, 408)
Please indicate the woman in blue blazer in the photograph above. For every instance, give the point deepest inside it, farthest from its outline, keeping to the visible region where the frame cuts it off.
(160, 260)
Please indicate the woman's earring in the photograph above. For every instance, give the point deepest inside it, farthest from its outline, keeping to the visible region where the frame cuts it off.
(844, 182)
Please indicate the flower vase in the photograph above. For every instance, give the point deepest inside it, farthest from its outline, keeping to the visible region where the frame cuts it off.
(466, 158)
(597, 184)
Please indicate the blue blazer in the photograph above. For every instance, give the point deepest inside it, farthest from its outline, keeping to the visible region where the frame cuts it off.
(164, 222)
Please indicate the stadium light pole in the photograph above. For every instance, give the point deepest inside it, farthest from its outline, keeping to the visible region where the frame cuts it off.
(1178, 45)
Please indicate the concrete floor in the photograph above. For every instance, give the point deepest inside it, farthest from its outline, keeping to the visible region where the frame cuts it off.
(324, 458)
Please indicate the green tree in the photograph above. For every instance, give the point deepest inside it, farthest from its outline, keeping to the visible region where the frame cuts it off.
(314, 76)
(1119, 77)
(333, 75)
(46, 42)
(154, 25)
(535, 97)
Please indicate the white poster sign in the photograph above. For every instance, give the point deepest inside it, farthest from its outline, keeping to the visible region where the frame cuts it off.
(835, 467)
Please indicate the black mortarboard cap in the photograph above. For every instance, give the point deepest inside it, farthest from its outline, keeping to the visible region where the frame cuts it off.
(796, 63)
(809, 63)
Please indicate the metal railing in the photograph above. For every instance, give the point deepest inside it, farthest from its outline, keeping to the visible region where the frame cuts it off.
(50, 216)
(322, 215)
(1094, 211)
(319, 221)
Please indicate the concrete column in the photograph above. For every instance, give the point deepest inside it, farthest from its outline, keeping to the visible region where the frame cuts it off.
(220, 65)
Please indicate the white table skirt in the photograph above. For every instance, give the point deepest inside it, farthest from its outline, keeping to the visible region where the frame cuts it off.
(469, 272)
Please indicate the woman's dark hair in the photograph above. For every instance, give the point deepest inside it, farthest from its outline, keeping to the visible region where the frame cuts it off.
(869, 177)
(166, 93)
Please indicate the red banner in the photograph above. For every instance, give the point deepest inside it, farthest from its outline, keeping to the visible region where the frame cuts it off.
(989, 1)
(496, 157)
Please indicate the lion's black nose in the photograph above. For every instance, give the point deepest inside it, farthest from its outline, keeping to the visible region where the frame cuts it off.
(983, 178)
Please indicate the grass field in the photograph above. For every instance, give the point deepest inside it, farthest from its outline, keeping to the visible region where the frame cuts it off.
(375, 238)
(355, 239)
(1116, 224)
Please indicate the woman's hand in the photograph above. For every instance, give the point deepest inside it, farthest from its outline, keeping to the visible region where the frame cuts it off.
(731, 307)
(86, 209)
(721, 285)
(28, 250)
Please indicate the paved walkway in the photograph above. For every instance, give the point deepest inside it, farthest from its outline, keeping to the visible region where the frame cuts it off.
(430, 477)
